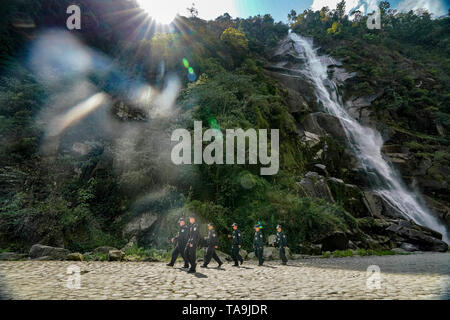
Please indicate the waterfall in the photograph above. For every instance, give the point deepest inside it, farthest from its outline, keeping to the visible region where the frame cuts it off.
(365, 142)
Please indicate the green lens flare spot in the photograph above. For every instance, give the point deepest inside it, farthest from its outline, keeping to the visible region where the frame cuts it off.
(185, 63)
(191, 70)
(213, 123)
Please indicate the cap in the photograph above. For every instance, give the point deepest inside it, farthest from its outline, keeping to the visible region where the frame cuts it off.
(278, 226)
(234, 224)
(210, 224)
(181, 219)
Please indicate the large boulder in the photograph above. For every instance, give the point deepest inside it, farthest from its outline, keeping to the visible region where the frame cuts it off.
(141, 223)
(273, 253)
(51, 253)
(270, 253)
(76, 256)
(409, 247)
(350, 196)
(321, 169)
(309, 138)
(322, 124)
(418, 236)
(314, 185)
(223, 256)
(359, 109)
(372, 225)
(379, 207)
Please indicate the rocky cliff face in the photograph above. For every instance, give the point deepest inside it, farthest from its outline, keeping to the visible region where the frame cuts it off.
(380, 225)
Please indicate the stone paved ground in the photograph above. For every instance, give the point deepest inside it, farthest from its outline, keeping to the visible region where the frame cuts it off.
(418, 276)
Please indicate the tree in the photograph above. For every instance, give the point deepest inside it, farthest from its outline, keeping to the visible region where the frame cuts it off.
(357, 16)
(335, 28)
(324, 14)
(193, 10)
(235, 38)
(340, 9)
(384, 6)
(292, 16)
(237, 41)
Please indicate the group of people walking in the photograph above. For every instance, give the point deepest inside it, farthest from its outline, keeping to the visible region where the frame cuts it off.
(188, 240)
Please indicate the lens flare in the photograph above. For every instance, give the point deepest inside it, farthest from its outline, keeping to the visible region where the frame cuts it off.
(163, 12)
(78, 112)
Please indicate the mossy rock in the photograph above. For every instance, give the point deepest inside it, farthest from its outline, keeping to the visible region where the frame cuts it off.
(76, 256)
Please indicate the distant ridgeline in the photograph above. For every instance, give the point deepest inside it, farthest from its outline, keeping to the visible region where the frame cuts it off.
(122, 84)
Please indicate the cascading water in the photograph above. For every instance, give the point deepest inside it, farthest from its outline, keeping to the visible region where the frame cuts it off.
(364, 141)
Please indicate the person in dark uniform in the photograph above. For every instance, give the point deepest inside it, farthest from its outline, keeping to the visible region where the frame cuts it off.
(258, 244)
(281, 242)
(192, 243)
(180, 243)
(212, 242)
(237, 243)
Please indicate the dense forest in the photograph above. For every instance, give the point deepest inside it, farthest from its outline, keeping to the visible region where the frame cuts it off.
(107, 178)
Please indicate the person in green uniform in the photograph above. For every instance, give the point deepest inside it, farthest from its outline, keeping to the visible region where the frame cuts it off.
(258, 244)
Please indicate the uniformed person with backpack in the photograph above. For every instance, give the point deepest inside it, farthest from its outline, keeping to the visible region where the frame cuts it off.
(236, 245)
(258, 244)
(212, 243)
(180, 243)
(281, 242)
(192, 243)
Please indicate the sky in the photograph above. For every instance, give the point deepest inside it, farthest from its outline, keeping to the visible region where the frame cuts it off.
(165, 10)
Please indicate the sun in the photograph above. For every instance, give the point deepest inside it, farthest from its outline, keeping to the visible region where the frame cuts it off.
(163, 11)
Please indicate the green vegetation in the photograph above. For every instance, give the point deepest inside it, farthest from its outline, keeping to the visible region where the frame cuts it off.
(95, 256)
(83, 202)
(369, 252)
(360, 252)
(140, 253)
(342, 253)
